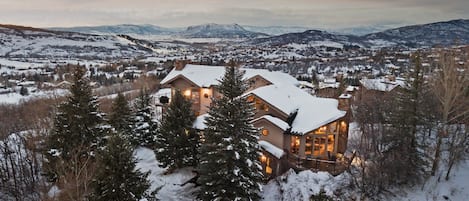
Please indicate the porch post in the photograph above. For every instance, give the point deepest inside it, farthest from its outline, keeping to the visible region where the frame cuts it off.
(301, 152)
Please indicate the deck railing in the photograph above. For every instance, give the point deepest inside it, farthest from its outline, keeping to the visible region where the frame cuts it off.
(334, 167)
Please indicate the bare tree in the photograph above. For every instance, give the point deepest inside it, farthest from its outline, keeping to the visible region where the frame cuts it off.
(20, 177)
(451, 87)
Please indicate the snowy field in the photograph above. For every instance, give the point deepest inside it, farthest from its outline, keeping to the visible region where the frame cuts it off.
(16, 98)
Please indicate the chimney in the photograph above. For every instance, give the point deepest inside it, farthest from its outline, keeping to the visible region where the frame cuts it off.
(344, 102)
(178, 65)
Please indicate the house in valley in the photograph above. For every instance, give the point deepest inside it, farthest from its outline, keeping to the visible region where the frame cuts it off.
(297, 129)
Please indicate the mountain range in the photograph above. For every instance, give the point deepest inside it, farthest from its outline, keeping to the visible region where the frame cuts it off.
(438, 33)
(122, 41)
(210, 30)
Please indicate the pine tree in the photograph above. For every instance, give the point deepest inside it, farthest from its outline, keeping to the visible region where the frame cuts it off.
(116, 177)
(402, 136)
(229, 167)
(77, 131)
(177, 142)
(121, 118)
(145, 123)
(24, 91)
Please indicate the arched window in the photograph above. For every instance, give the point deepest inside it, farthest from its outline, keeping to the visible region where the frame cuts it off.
(265, 132)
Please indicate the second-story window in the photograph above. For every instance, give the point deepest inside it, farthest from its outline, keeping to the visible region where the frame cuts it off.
(265, 132)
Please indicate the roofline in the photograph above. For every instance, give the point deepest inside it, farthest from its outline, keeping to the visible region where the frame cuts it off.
(180, 76)
(327, 122)
(258, 75)
(263, 118)
(268, 103)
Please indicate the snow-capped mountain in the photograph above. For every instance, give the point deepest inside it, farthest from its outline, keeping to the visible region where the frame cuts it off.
(275, 30)
(219, 31)
(19, 41)
(311, 37)
(129, 29)
(438, 33)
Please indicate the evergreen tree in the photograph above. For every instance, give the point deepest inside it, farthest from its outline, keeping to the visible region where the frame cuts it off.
(121, 118)
(24, 91)
(177, 142)
(145, 123)
(406, 121)
(116, 177)
(229, 167)
(77, 130)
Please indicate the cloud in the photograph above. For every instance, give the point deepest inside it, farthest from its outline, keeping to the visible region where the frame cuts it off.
(177, 13)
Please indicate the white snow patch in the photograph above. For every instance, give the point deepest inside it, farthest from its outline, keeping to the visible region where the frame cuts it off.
(169, 184)
(277, 152)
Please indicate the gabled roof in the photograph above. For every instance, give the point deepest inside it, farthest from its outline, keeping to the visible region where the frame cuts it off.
(312, 112)
(206, 76)
(275, 121)
(380, 84)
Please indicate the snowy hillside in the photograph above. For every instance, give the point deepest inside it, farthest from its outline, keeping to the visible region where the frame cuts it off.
(444, 33)
(17, 41)
(131, 29)
(301, 186)
(307, 37)
(219, 31)
(275, 30)
(439, 33)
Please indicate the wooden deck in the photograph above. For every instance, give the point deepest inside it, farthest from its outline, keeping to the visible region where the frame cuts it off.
(334, 167)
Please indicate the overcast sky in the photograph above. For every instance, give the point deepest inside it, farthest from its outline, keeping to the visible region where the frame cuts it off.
(327, 14)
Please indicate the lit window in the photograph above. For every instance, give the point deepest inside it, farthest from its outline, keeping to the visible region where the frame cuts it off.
(263, 158)
(265, 132)
(187, 93)
(206, 92)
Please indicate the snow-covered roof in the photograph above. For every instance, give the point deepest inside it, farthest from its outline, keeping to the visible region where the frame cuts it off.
(351, 88)
(345, 96)
(199, 122)
(205, 76)
(271, 149)
(380, 84)
(306, 84)
(162, 92)
(274, 120)
(312, 112)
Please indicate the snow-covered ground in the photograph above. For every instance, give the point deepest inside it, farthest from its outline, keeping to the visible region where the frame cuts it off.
(15, 98)
(455, 189)
(169, 185)
(301, 186)
(294, 186)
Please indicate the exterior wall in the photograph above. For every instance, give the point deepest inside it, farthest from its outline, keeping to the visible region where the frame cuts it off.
(256, 82)
(263, 108)
(194, 94)
(324, 142)
(275, 135)
(328, 92)
(272, 166)
(206, 95)
(181, 84)
(343, 136)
